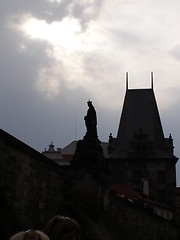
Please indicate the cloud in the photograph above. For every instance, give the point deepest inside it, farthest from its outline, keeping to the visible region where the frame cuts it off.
(50, 11)
(111, 31)
(175, 52)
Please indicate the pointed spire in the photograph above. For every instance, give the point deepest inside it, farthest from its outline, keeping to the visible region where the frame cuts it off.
(152, 80)
(126, 81)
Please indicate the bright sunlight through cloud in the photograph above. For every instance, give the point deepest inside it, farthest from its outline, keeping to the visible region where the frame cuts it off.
(68, 42)
(63, 33)
(113, 41)
(67, 33)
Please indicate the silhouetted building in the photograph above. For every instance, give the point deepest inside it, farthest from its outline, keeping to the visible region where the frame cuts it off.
(141, 156)
(55, 155)
(68, 151)
(178, 205)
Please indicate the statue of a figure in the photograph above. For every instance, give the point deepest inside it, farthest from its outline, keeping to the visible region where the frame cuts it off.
(91, 120)
(88, 150)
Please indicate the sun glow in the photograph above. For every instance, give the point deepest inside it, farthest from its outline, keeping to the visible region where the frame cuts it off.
(89, 49)
(65, 33)
(70, 48)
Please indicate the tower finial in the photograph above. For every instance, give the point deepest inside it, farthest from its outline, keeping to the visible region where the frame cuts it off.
(126, 81)
(151, 80)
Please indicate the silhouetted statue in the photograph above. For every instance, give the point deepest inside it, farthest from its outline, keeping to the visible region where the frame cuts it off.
(88, 150)
(91, 121)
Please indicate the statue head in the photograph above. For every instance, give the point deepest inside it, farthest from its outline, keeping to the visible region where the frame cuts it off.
(89, 103)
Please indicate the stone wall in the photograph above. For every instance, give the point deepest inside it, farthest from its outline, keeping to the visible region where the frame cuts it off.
(31, 185)
(133, 222)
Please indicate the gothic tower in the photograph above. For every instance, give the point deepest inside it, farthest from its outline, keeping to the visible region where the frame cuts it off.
(141, 156)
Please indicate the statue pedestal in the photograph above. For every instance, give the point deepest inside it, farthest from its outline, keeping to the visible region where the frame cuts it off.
(88, 152)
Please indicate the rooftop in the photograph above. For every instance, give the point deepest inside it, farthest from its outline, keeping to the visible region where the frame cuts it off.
(140, 127)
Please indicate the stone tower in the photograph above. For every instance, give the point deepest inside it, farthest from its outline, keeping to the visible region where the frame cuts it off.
(141, 156)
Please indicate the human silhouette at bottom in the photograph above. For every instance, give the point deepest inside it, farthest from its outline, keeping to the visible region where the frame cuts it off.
(30, 235)
(63, 228)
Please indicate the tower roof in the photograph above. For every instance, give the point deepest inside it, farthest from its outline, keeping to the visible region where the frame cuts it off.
(140, 125)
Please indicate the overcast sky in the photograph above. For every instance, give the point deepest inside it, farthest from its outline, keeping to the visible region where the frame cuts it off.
(55, 55)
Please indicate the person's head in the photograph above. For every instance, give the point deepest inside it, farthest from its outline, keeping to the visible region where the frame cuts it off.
(30, 235)
(63, 228)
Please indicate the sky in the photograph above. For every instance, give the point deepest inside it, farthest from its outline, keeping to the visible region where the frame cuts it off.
(55, 55)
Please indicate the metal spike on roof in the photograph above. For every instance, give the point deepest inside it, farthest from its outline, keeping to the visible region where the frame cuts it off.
(152, 80)
(126, 81)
